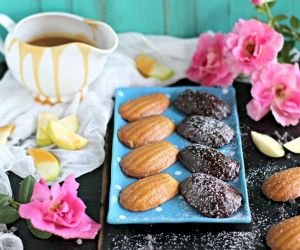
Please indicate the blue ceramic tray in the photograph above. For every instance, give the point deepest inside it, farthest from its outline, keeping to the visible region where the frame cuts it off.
(176, 210)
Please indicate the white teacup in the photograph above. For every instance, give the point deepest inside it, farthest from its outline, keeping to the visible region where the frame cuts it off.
(57, 73)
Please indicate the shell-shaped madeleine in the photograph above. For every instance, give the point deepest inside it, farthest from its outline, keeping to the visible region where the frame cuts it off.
(149, 192)
(283, 186)
(207, 160)
(147, 130)
(210, 196)
(149, 159)
(144, 106)
(206, 131)
(285, 235)
(202, 103)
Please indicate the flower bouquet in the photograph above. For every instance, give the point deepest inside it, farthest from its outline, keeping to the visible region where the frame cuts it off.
(265, 53)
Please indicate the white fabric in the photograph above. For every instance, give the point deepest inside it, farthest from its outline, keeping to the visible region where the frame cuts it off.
(19, 108)
(8, 241)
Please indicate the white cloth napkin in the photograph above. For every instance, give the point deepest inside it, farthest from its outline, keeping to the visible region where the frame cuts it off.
(19, 108)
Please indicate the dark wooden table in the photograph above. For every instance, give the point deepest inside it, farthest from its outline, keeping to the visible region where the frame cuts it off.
(94, 188)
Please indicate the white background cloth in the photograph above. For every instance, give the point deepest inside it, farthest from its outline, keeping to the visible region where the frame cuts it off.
(19, 108)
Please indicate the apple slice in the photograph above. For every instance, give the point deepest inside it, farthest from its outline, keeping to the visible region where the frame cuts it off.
(46, 163)
(5, 132)
(149, 67)
(70, 122)
(293, 146)
(65, 138)
(42, 138)
(267, 145)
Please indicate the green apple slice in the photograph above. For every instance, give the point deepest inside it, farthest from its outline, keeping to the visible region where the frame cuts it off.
(70, 122)
(267, 145)
(161, 72)
(65, 138)
(293, 146)
(42, 138)
(46, 164)
(149, 67)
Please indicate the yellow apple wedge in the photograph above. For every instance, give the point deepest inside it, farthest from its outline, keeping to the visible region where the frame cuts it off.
(46, 163)
(42, 138)
(5, 132)
(70, 122)
(293, 146)
(65, 138)
(267, 145)
(150, 67)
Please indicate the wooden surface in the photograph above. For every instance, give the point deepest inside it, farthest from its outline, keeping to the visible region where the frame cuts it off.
(184, 18)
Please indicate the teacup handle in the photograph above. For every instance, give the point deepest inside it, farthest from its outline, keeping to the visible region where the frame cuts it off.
(8, 24)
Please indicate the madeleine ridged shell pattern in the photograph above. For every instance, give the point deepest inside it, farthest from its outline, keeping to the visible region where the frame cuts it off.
(283, 186)
(285, 235)
(149, 192)
(149, 159)
(144, 106)
(147, 130)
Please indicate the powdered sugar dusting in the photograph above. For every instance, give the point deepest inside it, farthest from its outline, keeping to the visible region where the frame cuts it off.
(211, 196)
(200, 158)
(207, 131)
(202, 103)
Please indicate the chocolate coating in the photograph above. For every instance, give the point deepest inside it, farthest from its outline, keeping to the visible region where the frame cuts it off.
(200, 158)
(210, 196)
(201, 103)
(206, 131)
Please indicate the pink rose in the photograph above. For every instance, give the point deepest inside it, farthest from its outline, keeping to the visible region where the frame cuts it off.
(276, 88)
(59, 211)
(209, 65)
(253, 45)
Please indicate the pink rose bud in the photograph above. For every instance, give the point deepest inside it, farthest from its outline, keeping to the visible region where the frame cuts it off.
(260, 2)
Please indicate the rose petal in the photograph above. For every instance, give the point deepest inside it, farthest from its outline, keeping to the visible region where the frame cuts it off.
(40, 191)
(256, 111)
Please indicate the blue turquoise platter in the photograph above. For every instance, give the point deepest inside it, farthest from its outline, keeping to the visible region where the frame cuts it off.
(176, 210)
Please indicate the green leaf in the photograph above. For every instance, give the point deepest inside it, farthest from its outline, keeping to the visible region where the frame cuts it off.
(38, 233)
(285, 30)
(280, 17)
(8, 215)
(294, 22)
(271, 4)
(285, 27)
(4, 200)
(285, 56)
(261, 9)
(26, 188)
